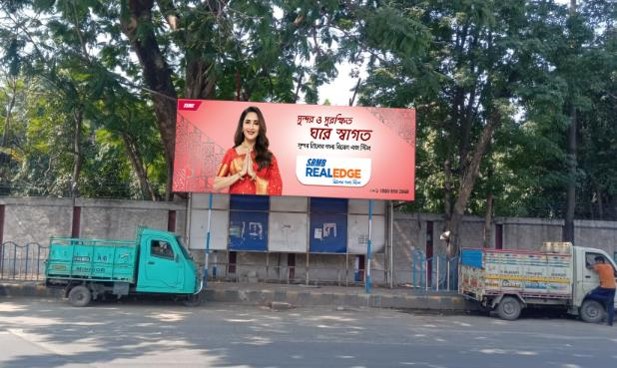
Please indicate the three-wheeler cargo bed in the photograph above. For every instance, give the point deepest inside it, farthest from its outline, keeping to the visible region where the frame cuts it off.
(92, 259)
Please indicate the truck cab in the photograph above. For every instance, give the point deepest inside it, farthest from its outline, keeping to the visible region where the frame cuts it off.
(164, 264)
(585, 280)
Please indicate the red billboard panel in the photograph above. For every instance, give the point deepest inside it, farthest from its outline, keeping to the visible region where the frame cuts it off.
(295, 150)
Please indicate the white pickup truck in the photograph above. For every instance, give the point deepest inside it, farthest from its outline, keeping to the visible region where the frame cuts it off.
(558, 275)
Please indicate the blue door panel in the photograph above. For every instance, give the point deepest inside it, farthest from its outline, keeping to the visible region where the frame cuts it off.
(249, 202)
(248, 231)
(328, 233)
(328, 205)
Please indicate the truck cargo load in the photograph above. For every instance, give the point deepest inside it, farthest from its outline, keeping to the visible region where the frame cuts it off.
(527, 273)
(92, 259)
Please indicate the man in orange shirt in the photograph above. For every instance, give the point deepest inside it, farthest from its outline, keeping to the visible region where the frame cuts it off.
(606, 291)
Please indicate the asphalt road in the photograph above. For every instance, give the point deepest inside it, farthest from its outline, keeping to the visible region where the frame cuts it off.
(49, 333)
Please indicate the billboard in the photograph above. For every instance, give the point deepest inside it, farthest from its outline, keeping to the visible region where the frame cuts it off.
(313, 151)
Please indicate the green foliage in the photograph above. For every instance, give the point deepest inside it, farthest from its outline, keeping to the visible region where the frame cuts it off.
(518, 55)
(457, 62)
(69, 82)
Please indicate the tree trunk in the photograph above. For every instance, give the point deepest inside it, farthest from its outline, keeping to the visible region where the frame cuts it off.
(199, 83)
(466, 111)
(352, 100)
(600, 202)
(7, 120)
(488, 221)
(568, 229)
(137, 26)
(140, 171)
(4, 157)
(78, 117)
(468, 181)
(447, 194)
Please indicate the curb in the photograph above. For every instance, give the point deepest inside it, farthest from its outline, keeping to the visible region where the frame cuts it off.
(278, 298)
(28, 289)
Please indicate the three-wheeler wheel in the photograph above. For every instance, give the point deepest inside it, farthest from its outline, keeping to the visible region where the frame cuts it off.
(80, 296)
(193, 300)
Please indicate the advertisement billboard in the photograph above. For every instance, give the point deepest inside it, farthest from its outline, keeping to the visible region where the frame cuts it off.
(294, 150)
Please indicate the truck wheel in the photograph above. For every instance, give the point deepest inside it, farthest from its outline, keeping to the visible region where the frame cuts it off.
(193, 300)
(80, 296)
(592, 311)
(509, 308)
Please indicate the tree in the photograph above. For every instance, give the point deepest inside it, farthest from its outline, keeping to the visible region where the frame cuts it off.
(463, 88)
(496, 86)
(58, 45)
(245, 50)
(597, 170)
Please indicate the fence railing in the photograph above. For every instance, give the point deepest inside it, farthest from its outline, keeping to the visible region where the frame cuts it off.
(437, 273)
(22, 262)
(286, 274)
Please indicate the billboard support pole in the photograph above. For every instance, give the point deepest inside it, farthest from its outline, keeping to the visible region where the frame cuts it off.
(208, 240)
(367, 284)
(391, 257)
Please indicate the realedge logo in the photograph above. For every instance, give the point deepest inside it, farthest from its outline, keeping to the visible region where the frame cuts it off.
(345, 172)
(316, 168)
(188, 105)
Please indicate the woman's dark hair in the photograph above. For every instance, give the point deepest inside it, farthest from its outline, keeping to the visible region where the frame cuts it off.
(263, 156)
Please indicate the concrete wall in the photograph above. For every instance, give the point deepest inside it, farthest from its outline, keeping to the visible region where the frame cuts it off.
(410, 236)
(35, 219)
(529, 233)
(29, 220)
(597, 234)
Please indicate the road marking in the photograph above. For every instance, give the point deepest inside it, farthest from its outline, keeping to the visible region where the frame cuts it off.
(81, 346)
(29, 338)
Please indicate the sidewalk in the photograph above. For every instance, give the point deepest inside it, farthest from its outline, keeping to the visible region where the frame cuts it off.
(282, 296)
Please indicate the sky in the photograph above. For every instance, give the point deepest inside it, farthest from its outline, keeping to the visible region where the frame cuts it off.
(341, 89)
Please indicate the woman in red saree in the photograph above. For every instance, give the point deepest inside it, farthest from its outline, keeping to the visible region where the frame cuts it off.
(249, 167)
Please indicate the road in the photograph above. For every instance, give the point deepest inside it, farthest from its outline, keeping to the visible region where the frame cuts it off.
(50, 333)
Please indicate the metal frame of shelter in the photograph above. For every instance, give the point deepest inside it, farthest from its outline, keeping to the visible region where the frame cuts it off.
(368, 284)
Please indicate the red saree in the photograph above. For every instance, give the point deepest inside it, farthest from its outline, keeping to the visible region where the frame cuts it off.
(267, 180)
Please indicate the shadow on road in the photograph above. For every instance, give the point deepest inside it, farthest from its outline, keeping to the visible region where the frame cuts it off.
(155, 332)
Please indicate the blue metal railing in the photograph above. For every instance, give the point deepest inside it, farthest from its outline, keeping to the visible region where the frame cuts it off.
(437, 273)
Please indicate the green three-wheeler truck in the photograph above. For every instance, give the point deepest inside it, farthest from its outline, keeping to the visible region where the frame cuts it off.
(156, 263)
